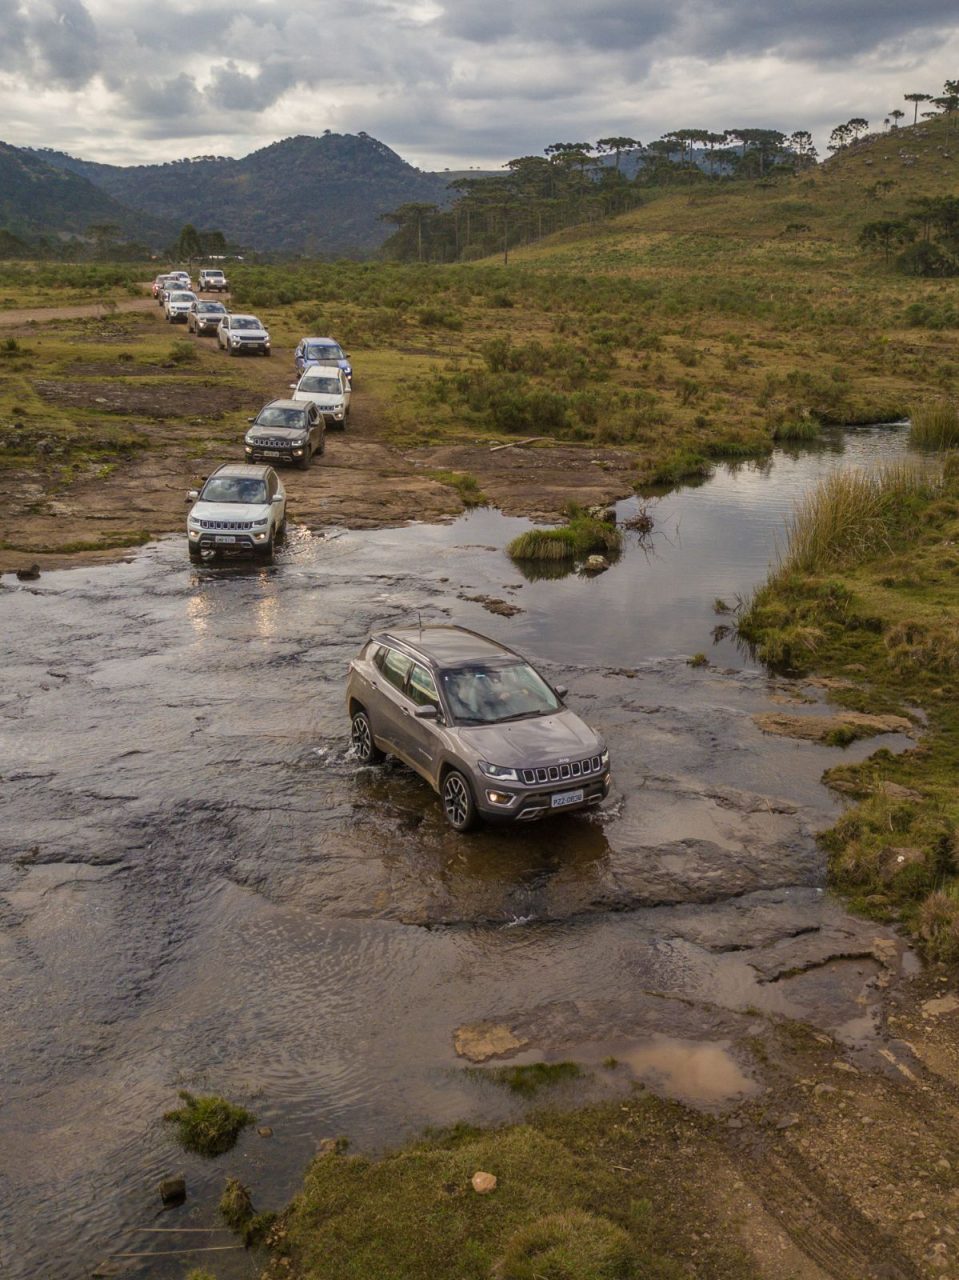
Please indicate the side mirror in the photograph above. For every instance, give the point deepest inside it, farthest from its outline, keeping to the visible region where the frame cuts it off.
(193, 495)
(291, 385)
(428, 712)
(561, 691)
(251, 419)
(277, 497)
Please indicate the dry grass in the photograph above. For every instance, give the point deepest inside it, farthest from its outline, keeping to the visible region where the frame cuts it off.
(935, 426)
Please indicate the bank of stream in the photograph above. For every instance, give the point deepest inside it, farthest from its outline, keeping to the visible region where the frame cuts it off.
(200, 888)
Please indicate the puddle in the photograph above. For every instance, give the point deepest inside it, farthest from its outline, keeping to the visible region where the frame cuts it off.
(200, 888)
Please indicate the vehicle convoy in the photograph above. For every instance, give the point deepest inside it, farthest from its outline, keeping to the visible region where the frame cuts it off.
(322, 351)
(204, 317)
(240, 509)
(237, 334)
(287, 430)
(177, 306)
(327, 387)
(213, 281)
(474, 719)
(158, 285)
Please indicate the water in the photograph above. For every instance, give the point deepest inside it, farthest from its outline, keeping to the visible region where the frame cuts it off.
(199, 888)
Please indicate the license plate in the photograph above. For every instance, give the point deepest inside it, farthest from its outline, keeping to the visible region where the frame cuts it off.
(270, 453)
(225, 537)
(563, 798)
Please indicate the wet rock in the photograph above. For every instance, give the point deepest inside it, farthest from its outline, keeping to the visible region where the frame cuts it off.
(596, 564)
(821, 728)
(172, 1191)
(787, 1122)
(821, 1090)
(936, 1007)
(483, 1183)
(482, 1040)
(494, 605)
(838, 1065)
(606, 514)
(29, 574)
(265, 1131)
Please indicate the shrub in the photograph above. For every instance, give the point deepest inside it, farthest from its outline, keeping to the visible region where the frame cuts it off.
(572, 1245)
(938, 924)
(800, 427)
(935, 426)
(682, 464)
(208, 1125)
(583, 536)
(183, 352)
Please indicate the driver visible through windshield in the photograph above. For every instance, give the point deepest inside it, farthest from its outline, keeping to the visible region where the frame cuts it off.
(487, 694)
(279, 418)
(331, 386)
(234, 489)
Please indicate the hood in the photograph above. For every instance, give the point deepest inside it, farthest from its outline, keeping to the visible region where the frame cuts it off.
(540, 741)
(277, 433)
(326, 397)
(230, 511)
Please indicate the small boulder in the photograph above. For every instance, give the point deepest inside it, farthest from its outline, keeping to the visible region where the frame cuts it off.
(483, 1183)
(172, 1191)
(596, 564)
(29, 574)
(265, 1131)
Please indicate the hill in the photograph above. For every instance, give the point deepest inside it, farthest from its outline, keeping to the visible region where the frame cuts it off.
(304, 195)
(39, 198)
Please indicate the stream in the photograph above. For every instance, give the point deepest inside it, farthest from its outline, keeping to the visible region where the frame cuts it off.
(200, 888)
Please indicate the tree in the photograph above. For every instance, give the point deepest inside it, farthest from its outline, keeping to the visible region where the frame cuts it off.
(886, 234)
(412, 218)
(617, 146)
(896, 115)
(188, 243)
(801, 144)
(857, 127)
(840, 137)
(917, 98)
(105, 235)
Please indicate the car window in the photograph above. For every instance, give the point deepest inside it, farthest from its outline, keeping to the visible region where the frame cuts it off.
(272, 484)
(329, 386)
(246, 322)
(487, 694)
(421, 688)
(279, 418)
(233, 489)
(396, 668)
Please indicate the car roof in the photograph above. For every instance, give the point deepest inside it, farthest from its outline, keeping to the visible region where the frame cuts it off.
(248, 469)
(300, 406)
(447, 645)
(330, 342)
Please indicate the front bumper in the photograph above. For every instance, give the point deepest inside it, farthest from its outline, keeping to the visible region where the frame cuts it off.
(258, 453)
(241, 347)
(334, 415)
(232, 543)
(528, 804)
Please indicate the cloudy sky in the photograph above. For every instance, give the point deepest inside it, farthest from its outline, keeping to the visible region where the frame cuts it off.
(450, 83)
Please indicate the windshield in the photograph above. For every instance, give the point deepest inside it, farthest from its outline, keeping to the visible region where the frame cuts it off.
(213, 275)
(329, 386)
(245, 322)
(212, 308)
(323, 351)
(490, 694)
(182, 297)
(279, 418)
(234, 489)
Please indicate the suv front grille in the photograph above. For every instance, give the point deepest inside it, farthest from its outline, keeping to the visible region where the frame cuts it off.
(563, 772)
(262, 442)
(226, 524)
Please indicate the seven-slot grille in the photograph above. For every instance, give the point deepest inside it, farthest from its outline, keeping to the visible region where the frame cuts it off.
(226, 524)
(562, 772)
(262, 442)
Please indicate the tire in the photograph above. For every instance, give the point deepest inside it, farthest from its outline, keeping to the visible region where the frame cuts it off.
(267, 353)
(459, 807)
(361, 738)
(306, 461)
(232, 351)
(322, 448)
(196, 555)
(265, 552)
(280, 535)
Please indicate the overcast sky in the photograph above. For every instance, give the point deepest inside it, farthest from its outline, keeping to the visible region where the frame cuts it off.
(450, 83)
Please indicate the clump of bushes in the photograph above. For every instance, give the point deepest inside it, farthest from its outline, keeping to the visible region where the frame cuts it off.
(183, 352)
(681, 464)
(582, 536)
(208, 1125)
(935, 426)
(797, 427)
(236, 1210)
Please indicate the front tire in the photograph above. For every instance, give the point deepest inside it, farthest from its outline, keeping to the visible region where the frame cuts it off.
(459, 808)
(361, 738)
(264, 551)
(306, 461)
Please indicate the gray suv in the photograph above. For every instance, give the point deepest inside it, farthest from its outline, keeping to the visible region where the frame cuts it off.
(473, 718)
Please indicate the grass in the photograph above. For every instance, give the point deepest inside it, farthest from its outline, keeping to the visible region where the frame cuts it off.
(797, 429)
(208, 1125)
(868, 585)
(935, 426)
(528, 1079)
(599, 1192)
(581, 537)
(466, 485)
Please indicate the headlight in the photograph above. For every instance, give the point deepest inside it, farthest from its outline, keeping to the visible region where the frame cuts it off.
(260, 524)
(498, 771)
(605, 758)
(235, 341)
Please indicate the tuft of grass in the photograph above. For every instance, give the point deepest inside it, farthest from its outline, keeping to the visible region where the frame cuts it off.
(681, 464)
(797, 429)
(852, 515)
(183, 352)
(208, 1125)
(938, 923)
(236, 1204)
(935, 426)
(572, 1245)
(583, 536)
(466, 485)
(528, 1078)
(697, 660)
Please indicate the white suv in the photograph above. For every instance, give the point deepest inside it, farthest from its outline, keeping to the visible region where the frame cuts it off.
(241, 508)
(177, 306)
(242, 333)
(213, 280)
(329, 389)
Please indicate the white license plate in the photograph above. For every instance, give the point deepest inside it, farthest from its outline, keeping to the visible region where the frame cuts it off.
(225, 537)
(270, 453)
(563, 798)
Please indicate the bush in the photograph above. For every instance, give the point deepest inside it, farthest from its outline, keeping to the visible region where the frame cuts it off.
(935, 426)
(208, 1125)
(573, 1245)
(183, 352)
(801, 427)
(583, 536)
(939, 924)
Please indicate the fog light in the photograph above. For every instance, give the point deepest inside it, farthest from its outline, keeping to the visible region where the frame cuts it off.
(297, 453)
(500, 797)
(259, 536)
(194, 533)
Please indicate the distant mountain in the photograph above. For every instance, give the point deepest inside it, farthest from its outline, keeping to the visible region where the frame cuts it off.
(302, 195)
(40, 198)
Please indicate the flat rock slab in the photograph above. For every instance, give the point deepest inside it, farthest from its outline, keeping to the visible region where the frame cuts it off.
(480, 1041)
(819, 728)
(940, 1005)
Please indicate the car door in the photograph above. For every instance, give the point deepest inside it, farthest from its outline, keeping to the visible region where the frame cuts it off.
(316, 427)
(345, 388)
(298, 358)
(223, 332)
(391, 708)
(421, 736)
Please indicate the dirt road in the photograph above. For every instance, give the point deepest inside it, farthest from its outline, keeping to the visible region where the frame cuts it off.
(94, 310)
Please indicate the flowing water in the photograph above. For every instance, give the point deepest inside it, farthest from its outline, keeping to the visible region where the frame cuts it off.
(199, 887)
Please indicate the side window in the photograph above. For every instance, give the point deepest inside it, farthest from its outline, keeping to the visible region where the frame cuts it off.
(396, 667)
(271, 483)
(421, 689)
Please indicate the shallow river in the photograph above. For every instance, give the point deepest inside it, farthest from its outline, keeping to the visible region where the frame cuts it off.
(199, 888)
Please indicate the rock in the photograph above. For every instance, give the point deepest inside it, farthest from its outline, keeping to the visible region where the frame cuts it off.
(819, 728)
(483, 1183)
(894, 858)
(265, 1131)
(822, 1089)
(787, 1122)
(916, 1216)
(838, 1065)
(606, 514)
(936, 1007)
(481, 1040)
(596, 564)
(895, 791)
(29, 574)
(172, 1191)
(943, 1165)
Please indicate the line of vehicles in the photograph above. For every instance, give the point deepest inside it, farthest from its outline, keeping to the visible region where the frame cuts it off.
(490, 735)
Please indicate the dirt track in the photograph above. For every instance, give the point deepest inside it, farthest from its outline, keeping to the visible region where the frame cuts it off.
(41, 315)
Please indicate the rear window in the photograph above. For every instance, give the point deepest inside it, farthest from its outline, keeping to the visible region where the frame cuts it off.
(396, 667)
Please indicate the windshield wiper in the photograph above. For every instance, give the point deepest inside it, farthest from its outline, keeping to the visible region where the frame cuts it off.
(520, 715)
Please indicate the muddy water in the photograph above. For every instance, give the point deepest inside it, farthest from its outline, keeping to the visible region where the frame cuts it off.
(199, 887)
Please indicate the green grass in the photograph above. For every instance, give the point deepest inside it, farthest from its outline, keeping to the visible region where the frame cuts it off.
(581, 537)
(528, 1079)
(797, 429)
(207, 1125)
(466, 485)
(935, 426)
